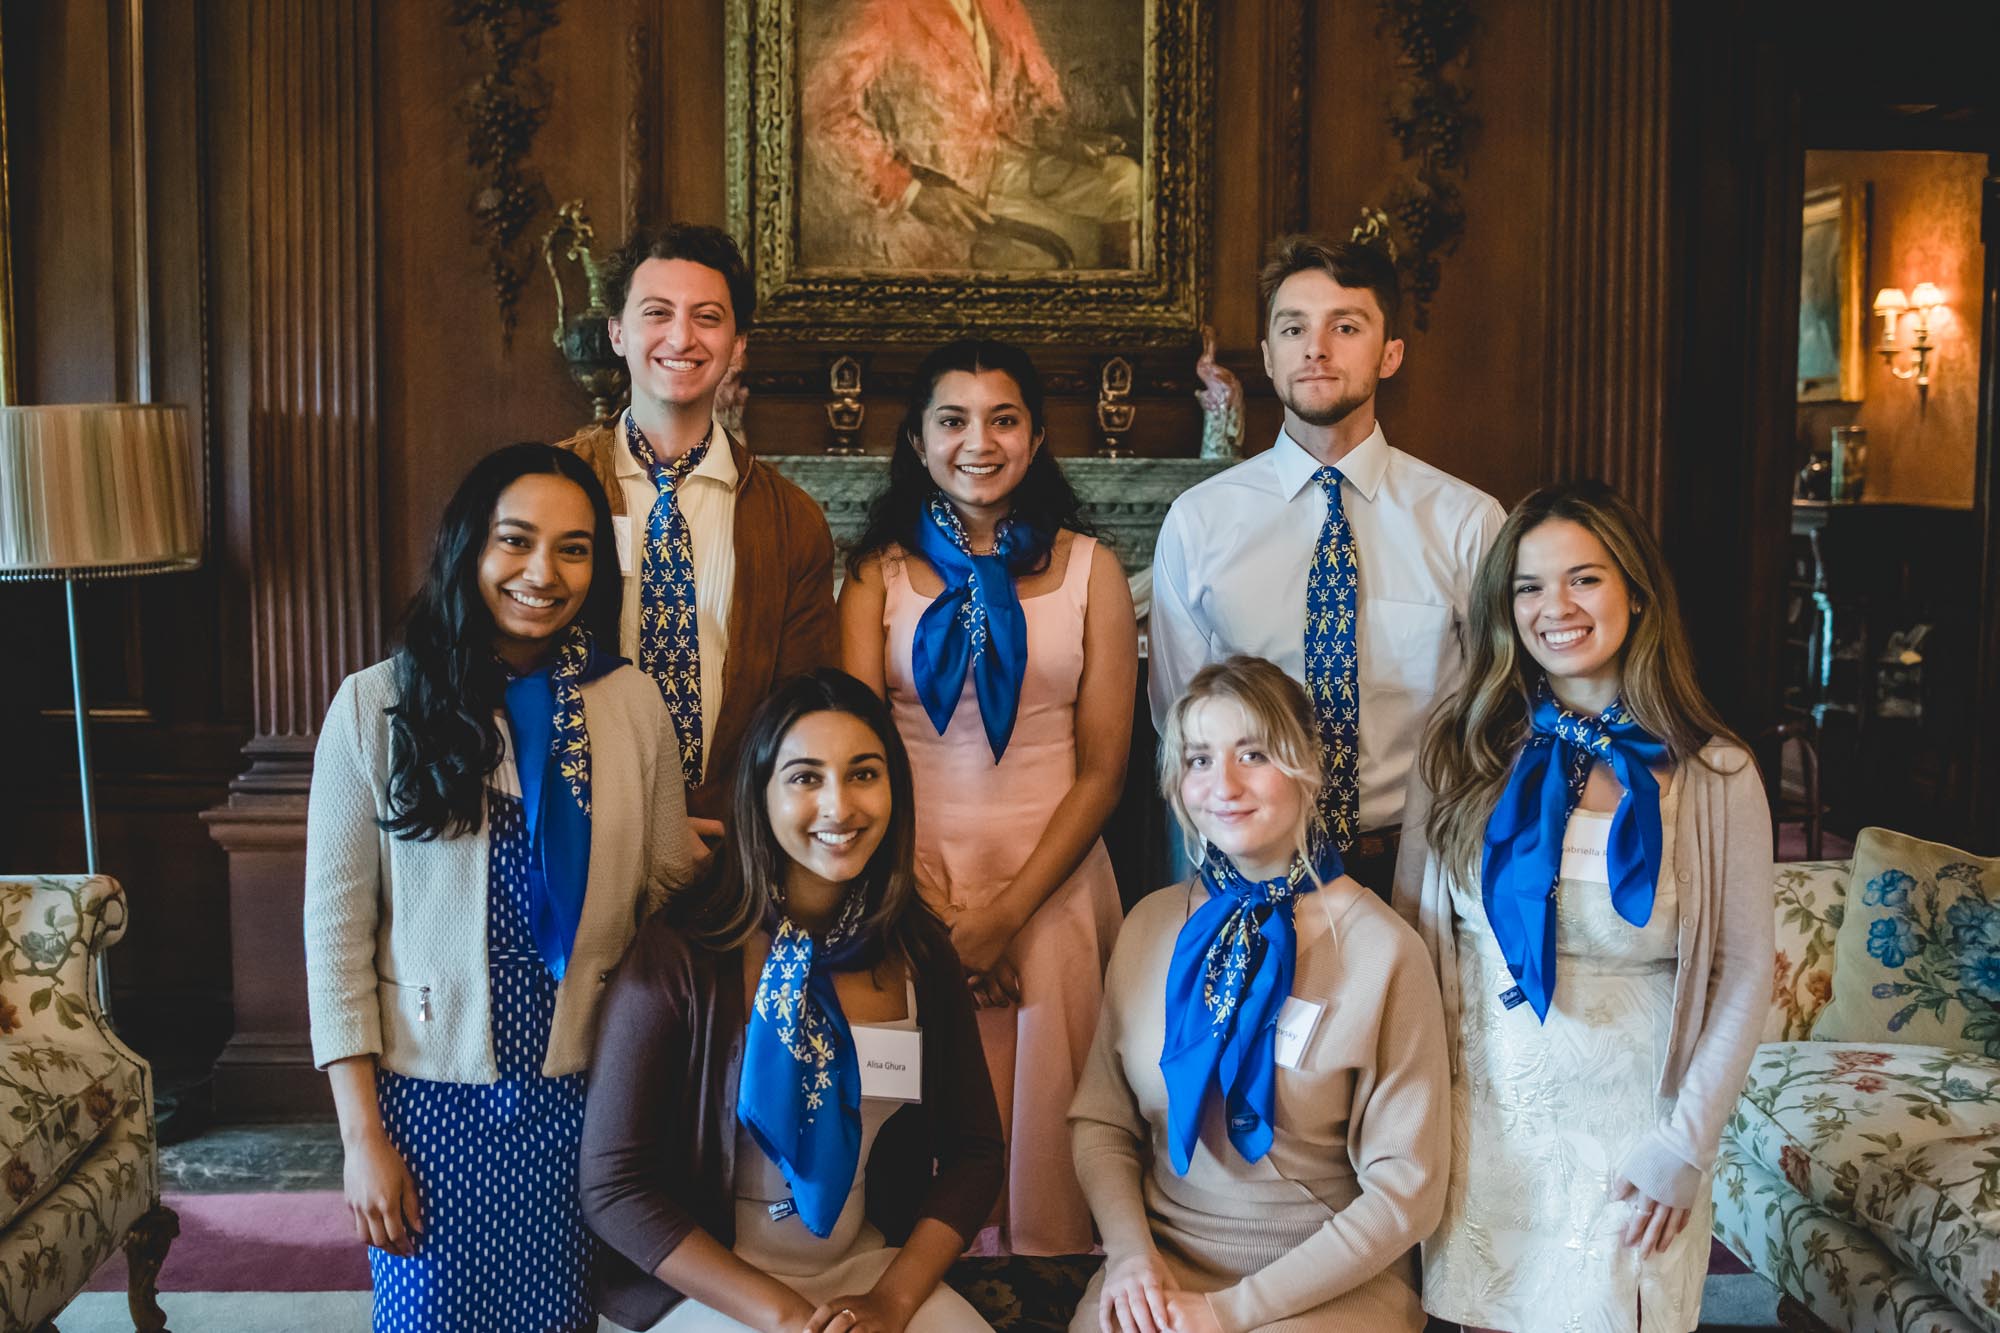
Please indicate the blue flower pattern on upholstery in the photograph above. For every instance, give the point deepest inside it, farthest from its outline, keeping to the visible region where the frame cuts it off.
(1942, 937)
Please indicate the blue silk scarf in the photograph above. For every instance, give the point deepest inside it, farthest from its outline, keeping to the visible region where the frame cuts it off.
(1231, 971)
(974, 625)
(1524, 836)
(545, 716)
(800, 1093)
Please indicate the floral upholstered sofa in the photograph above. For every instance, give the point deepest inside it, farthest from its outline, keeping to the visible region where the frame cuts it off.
(79, 1170)
(1861, 1176)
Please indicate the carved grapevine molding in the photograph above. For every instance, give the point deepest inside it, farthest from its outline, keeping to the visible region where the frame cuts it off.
(1430, 117)
(504, 107)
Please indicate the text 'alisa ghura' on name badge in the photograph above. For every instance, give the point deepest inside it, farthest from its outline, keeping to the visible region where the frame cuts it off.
(892, 1062)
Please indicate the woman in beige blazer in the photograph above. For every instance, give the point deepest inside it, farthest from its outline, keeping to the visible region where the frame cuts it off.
(493, 810)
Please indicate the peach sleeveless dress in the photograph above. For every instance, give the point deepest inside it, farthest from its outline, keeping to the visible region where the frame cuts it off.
(977, 823)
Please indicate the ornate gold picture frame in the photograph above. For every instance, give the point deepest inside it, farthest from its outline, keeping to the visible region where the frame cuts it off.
(908, 170)
(1833, 262)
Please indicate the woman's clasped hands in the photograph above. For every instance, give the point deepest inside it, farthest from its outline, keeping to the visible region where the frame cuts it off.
(1140, 1295)
(870, 1312)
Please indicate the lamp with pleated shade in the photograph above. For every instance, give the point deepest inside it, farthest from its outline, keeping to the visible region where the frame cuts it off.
(96, 491)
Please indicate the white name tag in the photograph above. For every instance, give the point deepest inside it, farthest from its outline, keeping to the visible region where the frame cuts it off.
(621, 533)
(1296, 1021)
(892, 1062)
(1585, 856)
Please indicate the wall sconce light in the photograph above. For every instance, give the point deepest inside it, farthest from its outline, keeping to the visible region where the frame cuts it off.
(1891, 304)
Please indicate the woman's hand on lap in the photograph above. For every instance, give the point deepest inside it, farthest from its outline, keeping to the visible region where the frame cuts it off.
(1190, 1312)
(1135, 1295)
(873, 1312)
(381, 1195)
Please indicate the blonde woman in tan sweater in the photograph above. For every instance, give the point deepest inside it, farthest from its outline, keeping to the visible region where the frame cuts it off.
(1261, 1126)
(1593, 879)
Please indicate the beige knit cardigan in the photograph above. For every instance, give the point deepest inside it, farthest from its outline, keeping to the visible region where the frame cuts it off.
(396, 929)
(1722, 978)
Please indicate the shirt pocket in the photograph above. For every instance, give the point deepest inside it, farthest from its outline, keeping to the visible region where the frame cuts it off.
(1404, 644)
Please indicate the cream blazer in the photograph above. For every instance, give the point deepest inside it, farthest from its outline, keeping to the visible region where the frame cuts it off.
(396, 929)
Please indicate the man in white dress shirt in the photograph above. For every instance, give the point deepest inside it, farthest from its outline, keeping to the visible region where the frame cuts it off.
(1237, 553)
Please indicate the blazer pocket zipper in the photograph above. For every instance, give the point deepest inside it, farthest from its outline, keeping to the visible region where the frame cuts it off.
(423, 997)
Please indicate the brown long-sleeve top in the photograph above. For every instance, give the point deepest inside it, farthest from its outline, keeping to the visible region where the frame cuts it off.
(659, 1129)
(1356, 1172)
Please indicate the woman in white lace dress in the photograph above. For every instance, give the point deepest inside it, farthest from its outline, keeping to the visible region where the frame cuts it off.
(1591, 869)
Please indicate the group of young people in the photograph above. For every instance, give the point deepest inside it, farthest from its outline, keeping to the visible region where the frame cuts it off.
(687, 947)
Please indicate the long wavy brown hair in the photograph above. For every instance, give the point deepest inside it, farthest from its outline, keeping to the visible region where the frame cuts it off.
(1475, 735)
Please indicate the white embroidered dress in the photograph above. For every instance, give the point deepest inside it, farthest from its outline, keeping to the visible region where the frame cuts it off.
(1543, 1114)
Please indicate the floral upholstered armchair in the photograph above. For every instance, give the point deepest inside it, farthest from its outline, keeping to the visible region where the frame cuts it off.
(79, 1168)
(1860, 1172)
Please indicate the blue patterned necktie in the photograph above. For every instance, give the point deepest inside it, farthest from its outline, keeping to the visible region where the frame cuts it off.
(669, 638)
(800, 1091)
(1229, 976)
(1333, 670)
(1524, 835)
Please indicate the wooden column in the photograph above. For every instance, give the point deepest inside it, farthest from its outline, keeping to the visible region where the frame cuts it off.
(307, 178)
(1604, 404)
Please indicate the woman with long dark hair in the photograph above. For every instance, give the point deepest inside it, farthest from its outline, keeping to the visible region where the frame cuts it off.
(790, 1125)
(1592, 873)
(492, 811)
(1001, 632)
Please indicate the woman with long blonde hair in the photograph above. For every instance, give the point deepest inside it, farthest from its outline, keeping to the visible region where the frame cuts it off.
(1260, 1128)
(1592, 876)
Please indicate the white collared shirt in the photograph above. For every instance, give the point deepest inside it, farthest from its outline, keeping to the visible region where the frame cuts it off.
(708, 503)
(1229, 576)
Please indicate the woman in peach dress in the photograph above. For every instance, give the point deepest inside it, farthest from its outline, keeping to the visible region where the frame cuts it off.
(1003, 637)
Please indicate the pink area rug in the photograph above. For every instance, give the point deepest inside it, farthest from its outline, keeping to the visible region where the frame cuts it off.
(256, 1242)
(305, 1242)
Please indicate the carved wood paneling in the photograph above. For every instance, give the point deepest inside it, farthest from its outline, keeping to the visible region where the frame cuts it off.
(1288, 32)
(316, 580)
(309, 352)
(1604, 403)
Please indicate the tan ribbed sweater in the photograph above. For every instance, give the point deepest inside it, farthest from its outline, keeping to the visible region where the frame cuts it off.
(1317, 1235)
(396, 929)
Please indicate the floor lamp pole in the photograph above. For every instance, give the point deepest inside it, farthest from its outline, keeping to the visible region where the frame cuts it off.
(103, 978)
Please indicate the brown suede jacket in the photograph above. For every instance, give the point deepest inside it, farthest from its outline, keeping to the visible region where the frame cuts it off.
(781, 616)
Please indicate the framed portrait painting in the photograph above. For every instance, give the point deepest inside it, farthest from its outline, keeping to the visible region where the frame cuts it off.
(1833, 252)
(906, 169)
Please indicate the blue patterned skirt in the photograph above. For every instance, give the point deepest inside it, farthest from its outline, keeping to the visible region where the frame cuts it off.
(504, 1247)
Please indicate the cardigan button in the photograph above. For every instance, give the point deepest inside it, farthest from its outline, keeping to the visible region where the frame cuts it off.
(1683, 876)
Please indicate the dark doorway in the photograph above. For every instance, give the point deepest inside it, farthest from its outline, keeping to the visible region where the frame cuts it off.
(1882, 577)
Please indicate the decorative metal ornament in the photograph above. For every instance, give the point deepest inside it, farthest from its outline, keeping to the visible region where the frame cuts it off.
(585, 337)
(1114, 413)
(845, 410)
